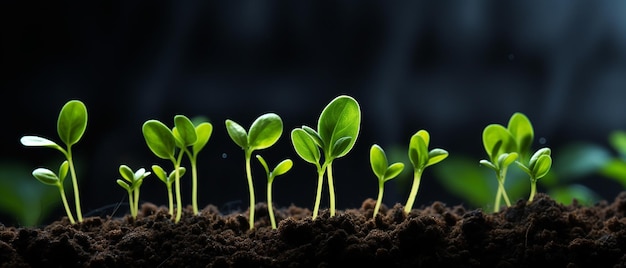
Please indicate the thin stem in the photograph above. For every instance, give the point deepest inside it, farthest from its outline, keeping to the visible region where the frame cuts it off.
(250, 189)
(136, 202)
(170, 197)
(179, 202)
(417, 177)
(533, 189)
(331, 188)
(67, 207)
(194, 186)
(270, 210)
(79, 212)
(496, 205)
(501, 178)
(380, 198)
(318, 196)
(131, 204)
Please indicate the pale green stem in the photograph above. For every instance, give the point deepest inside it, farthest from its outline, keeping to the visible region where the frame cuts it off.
(67, 207)
(79, 212)
(194, 186)
(170, 197)
(417, 177)
(179, 202)
(533, 189)
(270, 210)
(318, 196)
(131, 204)
(250, 188)
(380, 197)
(501, 179)
(331, 188)
(136, 205)
(496, 205)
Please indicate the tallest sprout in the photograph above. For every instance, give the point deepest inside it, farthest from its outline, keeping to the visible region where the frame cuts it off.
(71, 126)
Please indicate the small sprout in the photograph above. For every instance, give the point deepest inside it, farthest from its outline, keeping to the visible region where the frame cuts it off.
(135, 179)
(420, 159)
(168, 180)
(71, 126)
(280, 169)
(337, 130)
(501, 148)
(538, 166)
(47, 176)
(383, 171)
(264, 132)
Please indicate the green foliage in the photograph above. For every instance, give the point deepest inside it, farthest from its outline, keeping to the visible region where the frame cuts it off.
(280, 169)
(132, 181)
(337, 130)
(421, 158)
(383, 171)
(264, 132)
(169, 179)
(48, 177)
(71, 125)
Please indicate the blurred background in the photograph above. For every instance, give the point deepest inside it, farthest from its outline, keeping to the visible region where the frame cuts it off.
(450, 67)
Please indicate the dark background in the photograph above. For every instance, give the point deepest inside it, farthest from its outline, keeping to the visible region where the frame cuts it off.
(450, 67)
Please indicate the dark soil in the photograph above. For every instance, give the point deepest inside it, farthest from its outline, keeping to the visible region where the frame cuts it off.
(543, 233)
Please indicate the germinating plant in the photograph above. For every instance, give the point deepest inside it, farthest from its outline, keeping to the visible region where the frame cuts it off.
(168, 179)
(280, 169)
(383, 171)
(264, 132)
(133, 181)
(421, 158)
(71, 126)
(538, 166)
(501, 149)
(337, 130)
(203, 132)
(47, 176)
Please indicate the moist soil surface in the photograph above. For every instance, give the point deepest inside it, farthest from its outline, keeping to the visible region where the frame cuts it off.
(542, 233)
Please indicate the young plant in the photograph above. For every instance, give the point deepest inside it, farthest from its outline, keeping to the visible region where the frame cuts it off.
(163, 143)
(47, 176)
(71, 126)
(264, 132)
(280, 169)
(383, 171)
(135, 179)
(203, 132)
(501, 148)
(420, 159)
(537, 168)
(168, 180)
(337, 130)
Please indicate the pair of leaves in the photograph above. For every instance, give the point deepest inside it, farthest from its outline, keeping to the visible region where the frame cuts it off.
(168, 179)
(47, 176)
(163, 142)
(280, 169)
(380, 164)
(337, 130)
(419, 155)
(517, 137)
(71, 125)
(539, 164)
(134, 178)
(264, 132)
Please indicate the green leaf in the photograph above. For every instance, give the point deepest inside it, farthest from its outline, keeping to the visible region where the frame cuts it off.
(63, 169)
(237, 133)
(46, 176)
(184, 131)
(282, 167)
(305, 146)
(35, 141)
(617, 139)
(314, 135)
(506, 159)
(124, 185)
(127, 173)
(340, 118)
(418, 152)
(542, 166)
(265, 131)
(488, 164)
(522, 131)
(524, 168)
(264, 164)
(172, 177)
(340, 147)
(378, 161)
(393, 171)
(160, 173)
(536, 155)
(497, 140)
(203, 132)
(72, 122)
(436, 155)
(425, 136)
(615, 169)
(159, 139)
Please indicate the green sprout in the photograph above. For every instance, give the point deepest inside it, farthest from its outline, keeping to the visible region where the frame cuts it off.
(203, 132)
(420, 159)
(538, 166)
(163, 143)
(383, 171)
(280, 169)
(168, 180)
(501, 147)
(135, 179)
(264, 132)
(71, 126)
(47, 176)
(337, 130)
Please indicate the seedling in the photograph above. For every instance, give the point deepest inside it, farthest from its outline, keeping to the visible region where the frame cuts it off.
(168, 180)
(135, 179)
(500, 147)
(47, 176)
(163, 143)
(537, 168)
(420, 159)
(264, 132)
(71, 126)
(383, 171)
(337, 130)
(280, 169)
